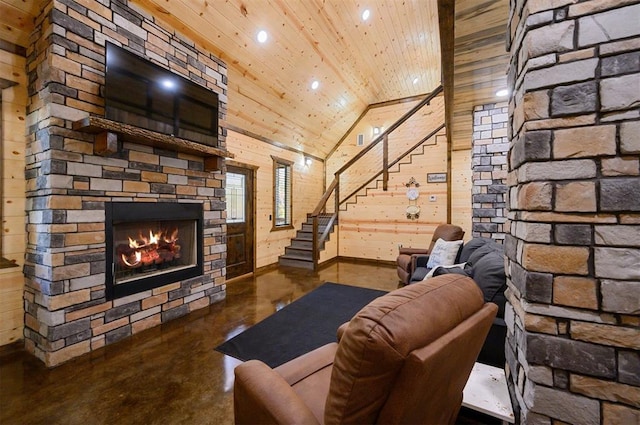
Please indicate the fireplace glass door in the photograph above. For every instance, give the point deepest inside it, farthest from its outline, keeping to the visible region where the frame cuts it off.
(148, 248)
(150, 245)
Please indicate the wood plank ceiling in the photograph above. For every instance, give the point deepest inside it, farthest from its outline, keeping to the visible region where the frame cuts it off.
(392, 55)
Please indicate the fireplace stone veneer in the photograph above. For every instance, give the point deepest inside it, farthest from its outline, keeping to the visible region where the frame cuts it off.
(69, 186)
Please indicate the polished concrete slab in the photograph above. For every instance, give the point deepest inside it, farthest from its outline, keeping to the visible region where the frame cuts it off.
(170, 374)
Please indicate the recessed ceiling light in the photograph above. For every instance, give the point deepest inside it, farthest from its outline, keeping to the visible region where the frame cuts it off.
(262, 36)
(502, 93)
(315, 84)
(168, 84)
(415, 80)
(366, 14)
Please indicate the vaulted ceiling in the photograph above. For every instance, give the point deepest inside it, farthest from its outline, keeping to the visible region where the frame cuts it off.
(394, 54)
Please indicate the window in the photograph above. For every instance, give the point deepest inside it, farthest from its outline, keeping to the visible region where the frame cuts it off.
(235, 198)
(282, 188)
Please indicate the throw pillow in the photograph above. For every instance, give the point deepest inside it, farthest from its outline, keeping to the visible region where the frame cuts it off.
(444, 253)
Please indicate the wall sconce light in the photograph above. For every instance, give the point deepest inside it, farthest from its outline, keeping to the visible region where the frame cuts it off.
(376, 131)
(307, 161)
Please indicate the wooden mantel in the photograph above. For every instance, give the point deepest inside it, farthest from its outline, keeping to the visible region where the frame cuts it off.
(106, 140)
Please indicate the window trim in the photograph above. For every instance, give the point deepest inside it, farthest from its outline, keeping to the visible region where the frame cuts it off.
(276, 163)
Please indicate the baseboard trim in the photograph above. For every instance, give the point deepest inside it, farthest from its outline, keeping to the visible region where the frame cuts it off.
(368, 261)
(274, 266)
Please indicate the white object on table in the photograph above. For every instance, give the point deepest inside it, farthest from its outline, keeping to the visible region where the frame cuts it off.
(487, 392)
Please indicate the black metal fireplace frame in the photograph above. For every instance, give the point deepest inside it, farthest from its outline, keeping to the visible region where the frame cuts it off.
(123, 212)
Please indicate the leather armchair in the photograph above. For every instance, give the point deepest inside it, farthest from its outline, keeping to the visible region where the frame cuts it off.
(407, 258)
(404, 358)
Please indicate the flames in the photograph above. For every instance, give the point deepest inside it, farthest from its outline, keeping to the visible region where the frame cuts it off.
(156, 248)
(138, 259)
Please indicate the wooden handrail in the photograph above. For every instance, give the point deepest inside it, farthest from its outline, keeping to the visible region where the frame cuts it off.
(334, 187)
(325, 198)
(393, 126)
(394, 162)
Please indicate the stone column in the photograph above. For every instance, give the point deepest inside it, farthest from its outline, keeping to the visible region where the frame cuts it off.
(489, 166)
(574, 204)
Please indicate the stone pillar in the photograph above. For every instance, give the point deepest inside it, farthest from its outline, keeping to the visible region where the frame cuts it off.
(573, 250)
(489, 166)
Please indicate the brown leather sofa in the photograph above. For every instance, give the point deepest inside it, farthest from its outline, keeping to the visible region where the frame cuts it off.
(406, 260)
(404, 358)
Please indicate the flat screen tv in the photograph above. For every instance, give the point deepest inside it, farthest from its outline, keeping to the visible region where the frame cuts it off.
(143, 94)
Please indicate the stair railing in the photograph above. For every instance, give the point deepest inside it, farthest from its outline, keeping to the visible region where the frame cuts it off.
(320, 217)
(391, 164)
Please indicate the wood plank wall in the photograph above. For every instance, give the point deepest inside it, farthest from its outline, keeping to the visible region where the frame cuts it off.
(384, 116)
(374, 227)
(377, 224)
(14, 101)
(461, 190)
(307, 190)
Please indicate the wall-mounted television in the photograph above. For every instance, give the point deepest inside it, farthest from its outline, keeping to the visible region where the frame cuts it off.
(145, 95)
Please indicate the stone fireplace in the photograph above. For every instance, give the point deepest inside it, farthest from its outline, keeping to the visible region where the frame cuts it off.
(126, 228)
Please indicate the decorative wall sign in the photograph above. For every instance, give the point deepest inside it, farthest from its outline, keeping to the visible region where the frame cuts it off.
(437, 178)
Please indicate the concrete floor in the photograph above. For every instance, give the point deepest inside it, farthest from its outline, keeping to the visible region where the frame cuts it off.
(170, 374)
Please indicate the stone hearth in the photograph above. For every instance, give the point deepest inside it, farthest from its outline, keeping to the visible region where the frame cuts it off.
(67, 312)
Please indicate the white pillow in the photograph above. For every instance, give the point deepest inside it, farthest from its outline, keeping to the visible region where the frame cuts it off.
(444, 253)
(430, 274)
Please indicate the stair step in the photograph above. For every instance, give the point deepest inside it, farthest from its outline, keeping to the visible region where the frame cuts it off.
(308, 235)
(294, 261)
(301, 243)
(304, 243)
(306, 239)
(306, 227)
(305, 236)
(320, 216)
(299, 251)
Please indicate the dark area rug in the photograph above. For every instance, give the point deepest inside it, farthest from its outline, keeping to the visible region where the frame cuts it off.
(304, 325)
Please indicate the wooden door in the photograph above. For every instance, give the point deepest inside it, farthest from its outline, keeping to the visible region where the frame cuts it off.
(240, 221)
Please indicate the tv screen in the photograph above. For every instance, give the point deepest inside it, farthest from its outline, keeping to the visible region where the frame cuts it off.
(142, 94)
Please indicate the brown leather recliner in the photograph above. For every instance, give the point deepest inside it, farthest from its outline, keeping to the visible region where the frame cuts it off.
(404, 358)
(406, 261)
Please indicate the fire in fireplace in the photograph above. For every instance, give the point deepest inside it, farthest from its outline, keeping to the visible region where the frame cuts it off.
(150, 245)
(157, 250)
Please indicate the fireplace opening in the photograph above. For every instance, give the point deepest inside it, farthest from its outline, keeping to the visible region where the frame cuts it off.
(150, 245)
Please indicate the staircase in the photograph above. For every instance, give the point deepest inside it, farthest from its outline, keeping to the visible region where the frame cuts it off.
(304, 251)
(300, 252)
